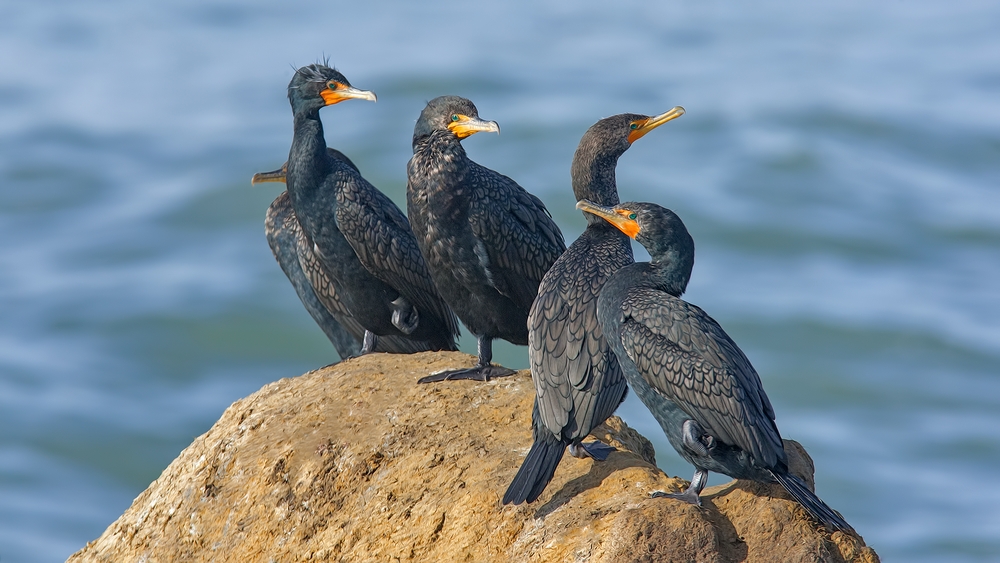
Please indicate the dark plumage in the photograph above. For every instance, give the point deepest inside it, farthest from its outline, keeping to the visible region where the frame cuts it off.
(362, 242)
(294, 251)
(689, 373)
(578, 383)
(487, 242)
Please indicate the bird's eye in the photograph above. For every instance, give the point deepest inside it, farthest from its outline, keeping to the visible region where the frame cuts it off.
(454, 117)
(333, 85)
(634, 126)
(632, 216)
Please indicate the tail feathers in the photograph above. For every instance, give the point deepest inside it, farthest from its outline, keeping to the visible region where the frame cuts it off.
(816, 507)
(536, 471)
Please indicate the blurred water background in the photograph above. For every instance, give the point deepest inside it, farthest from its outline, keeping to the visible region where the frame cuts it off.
(839, 168)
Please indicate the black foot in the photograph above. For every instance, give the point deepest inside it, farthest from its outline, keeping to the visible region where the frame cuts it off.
(597, 450)
(687, 496)
(696, 440)
(690, 495)
(478, 373)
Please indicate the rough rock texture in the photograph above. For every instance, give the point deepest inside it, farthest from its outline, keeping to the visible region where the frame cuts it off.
(356, 462)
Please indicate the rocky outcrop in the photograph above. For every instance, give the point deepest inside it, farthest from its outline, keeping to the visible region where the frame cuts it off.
(356, 462)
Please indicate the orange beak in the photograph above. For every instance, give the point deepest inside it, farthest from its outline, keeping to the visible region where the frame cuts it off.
(343, 92)
(650, 123)
(622, 219)
(466, 126)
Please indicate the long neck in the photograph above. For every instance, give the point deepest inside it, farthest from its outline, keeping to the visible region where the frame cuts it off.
(308, 164)
(593, 174)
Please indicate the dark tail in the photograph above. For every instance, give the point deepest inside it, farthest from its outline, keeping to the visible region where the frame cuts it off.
(537, 469)
(812, 503)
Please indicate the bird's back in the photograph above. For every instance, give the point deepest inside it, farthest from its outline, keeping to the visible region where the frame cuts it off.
(685, 355)
(517, 231)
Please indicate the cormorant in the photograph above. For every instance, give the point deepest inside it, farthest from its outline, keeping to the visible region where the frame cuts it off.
(694, 379)
(294, 251)
(486, 240)
(362, 242)
(578, 382)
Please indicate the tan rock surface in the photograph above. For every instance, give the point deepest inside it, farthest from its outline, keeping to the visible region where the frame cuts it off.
(355, 462)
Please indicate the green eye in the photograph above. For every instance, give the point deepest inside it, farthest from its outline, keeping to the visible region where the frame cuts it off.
(634, 126)
(333, 85)
(632, 216)
(454, 117)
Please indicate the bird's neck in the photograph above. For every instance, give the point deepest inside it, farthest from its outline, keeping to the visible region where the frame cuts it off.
(440, 165)
(439, 143)
(307, 138)
(663, 274)
(594, 179)
(308, 163)
(308, 168)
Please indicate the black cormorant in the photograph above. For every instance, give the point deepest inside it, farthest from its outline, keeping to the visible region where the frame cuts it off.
(361, 240)
(487, 242)
(689, 373)
(294, 251)
(578, 383)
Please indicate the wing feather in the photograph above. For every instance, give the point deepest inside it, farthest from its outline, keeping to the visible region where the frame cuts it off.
(685, 355)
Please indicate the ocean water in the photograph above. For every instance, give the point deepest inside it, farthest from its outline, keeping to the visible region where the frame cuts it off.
(838, 167)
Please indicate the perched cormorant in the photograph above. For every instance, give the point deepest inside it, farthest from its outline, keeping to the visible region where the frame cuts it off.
(578, 383)
(487, 242)
(294, 251)
(689, 373)
(362, 242)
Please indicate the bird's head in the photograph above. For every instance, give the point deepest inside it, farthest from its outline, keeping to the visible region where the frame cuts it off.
(596, 157)
(452, 113)
(612, 136)
(655, 227)
(317, 85)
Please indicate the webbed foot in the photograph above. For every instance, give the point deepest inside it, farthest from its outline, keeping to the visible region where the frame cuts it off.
(687, 496)
(597, 450)
(690, 495)
(478, 373)
(696, 440)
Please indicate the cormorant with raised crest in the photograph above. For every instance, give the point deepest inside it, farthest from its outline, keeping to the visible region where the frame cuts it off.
(294, 253)
(361, 241)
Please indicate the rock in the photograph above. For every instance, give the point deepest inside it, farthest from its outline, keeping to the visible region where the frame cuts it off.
(356, 462)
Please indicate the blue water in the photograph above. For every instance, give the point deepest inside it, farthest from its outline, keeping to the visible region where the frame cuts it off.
(839, 168)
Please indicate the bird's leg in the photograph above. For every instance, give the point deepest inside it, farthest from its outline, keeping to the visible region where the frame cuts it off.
(597, 450)
(484, 370)
(696, 440)
(404, 315)
(485, 366)
(371, 340)
(690, 495)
